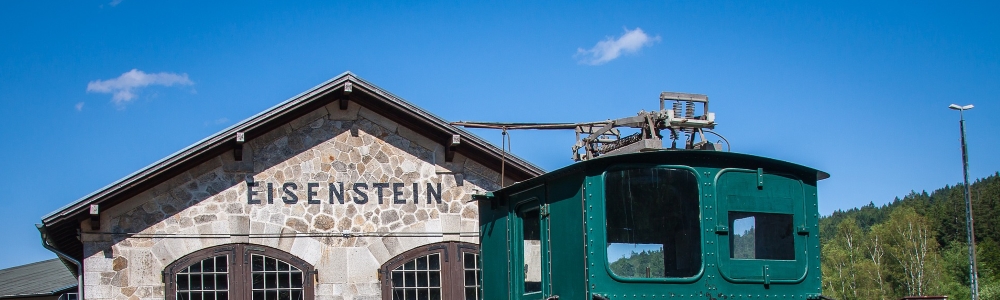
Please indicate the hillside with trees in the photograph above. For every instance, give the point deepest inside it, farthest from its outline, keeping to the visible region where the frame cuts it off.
(915, 245)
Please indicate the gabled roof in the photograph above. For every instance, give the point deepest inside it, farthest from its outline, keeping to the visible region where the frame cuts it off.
(63, 223)
(44, 278)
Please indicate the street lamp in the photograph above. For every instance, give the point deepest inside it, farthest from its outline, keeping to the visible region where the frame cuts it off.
(969, 224)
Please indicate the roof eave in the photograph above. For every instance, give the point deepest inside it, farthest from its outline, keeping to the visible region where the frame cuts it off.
(221, 141)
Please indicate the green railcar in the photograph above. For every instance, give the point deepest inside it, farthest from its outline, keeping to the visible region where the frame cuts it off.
(668, 224)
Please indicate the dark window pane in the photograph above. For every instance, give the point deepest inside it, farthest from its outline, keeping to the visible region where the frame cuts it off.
(653, 222)
(411, 279)
(195, 282)
(270, 281)
(282, 266)
(422, 263)
(270, 264)
(208, 282)
(257, 263)
(410, 266)
(283, 281)
(208, 296)
(258, 295)
(220, 264)
(422, 294)
(271, 295)
(182, 282)
(758, 235)
(258, 280)
(221, 282)
(296, 295)
(195, 268)
(435, 279)
(208, 265)
(183, 296)
(397, 278)
(297, 280)
(284, 295)
(470, 277)
(411, 294)
(435, 294)
(196, 296)
(422, 279)
(470, 294)
(222, 296)
(470, 260)
(435, 261)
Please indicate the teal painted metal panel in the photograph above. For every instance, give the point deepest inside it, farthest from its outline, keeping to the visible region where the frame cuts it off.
(568, 264)
(736, 195)
(493, 251)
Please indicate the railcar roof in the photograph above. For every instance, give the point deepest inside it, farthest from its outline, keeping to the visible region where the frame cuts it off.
(694, 158)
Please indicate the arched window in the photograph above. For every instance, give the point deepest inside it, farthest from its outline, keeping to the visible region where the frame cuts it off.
(447, 270)
(239, 271)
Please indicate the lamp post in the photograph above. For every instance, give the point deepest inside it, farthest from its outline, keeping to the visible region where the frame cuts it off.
(969, 224)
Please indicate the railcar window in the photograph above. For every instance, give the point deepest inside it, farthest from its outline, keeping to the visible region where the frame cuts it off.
(532, 251)
(653, 218)
(758, 235)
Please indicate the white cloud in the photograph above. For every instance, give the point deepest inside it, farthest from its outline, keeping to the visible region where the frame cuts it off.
(125, 87)
(609, 49)
(79, 106)
(115, 2)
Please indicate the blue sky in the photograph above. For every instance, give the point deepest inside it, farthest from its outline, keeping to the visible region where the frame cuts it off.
(857, 89)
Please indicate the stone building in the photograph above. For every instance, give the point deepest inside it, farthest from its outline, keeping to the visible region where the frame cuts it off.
(342, 192)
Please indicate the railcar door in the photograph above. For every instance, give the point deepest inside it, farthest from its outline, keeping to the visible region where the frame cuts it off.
(529, 238)
(761, 227)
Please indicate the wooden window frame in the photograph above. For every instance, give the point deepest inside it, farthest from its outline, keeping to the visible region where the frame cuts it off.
(238, 257)
(452, 267)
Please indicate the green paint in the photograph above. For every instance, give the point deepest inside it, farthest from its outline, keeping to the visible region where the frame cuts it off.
(765, 207)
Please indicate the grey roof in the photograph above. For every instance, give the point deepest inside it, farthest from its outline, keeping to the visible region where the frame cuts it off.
(46, 277)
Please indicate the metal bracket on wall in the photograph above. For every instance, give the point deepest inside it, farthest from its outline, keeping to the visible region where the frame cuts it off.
(449, 154)
(348, 87)
(238, 149)
(95, 218)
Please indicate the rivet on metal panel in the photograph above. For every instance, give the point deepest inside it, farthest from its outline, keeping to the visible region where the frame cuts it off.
(760, 178)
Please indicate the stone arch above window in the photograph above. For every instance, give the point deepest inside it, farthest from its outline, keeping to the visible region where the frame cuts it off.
(446, 270)
(239, 272)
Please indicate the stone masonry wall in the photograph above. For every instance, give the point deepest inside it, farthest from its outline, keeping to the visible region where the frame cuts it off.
(208, 206)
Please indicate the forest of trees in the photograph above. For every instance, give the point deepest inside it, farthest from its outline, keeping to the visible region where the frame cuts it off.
(914, 246)
(638, 264)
